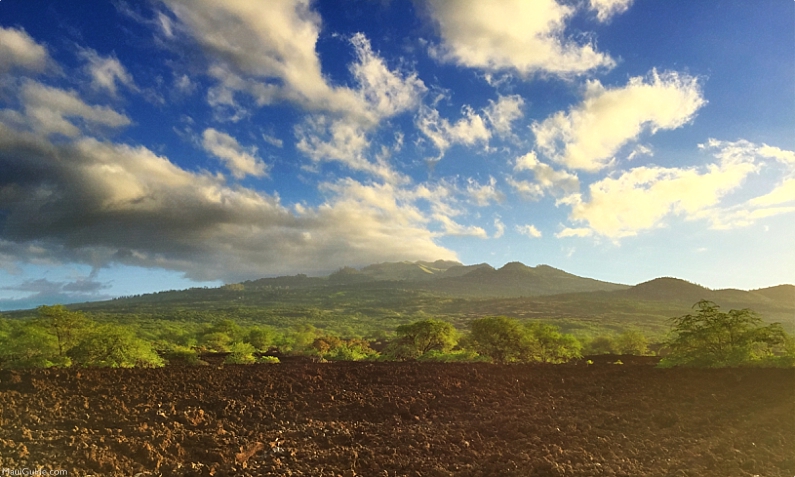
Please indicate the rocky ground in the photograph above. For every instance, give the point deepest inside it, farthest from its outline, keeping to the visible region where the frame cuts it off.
(391, 419)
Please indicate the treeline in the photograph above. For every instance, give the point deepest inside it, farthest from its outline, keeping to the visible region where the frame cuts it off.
(59, 337)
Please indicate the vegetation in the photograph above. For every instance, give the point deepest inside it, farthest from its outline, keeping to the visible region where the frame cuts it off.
(712, 338)
(60, 336)
(421, 338)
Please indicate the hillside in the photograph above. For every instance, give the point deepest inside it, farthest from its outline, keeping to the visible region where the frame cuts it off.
(382, 296)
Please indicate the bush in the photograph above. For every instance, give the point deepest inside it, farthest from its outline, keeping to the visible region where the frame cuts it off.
(458, 356)
(602, 345)
(183, 354)
(241, 353)
(268, 360)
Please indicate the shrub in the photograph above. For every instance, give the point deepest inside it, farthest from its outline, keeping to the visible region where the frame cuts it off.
(241, 353)
(183, 354)
(458, 356)
(268, 360)
(602, 345)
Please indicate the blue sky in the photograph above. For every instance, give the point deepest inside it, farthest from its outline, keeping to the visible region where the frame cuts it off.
(158, 145)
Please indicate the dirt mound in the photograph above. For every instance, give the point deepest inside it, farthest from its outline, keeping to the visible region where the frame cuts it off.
(388, 419)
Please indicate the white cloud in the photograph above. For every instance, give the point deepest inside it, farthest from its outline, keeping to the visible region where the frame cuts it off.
(499, 228)
(453, 228)
(264, 49)
(606, 9)
(528, 230)
(484, 194)
(272, 140)
(106, 72)
(642, 198)
(184, 85)
(238, 160)
(546, 178)
(504, 112)
(512, 34)
(385, 92)
(640, 150)
(49, 110)
(574, 232)
(590, 134)
(471, 129)
(19, 50)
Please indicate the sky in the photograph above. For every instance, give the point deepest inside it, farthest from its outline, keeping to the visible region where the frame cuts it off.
(157, 145)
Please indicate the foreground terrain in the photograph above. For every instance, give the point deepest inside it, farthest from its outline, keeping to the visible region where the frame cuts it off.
(391, 419)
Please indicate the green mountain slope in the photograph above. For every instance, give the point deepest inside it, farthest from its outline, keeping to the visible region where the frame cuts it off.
(380, 297)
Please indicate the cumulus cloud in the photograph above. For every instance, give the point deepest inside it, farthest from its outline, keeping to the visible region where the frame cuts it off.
(68, 197)
(48, 110)
(267, 50)
(499, 228)
(574, 232)
(106, 72)
(239, 160)
(527, 37)
(547, 179)
(328, 137)
(642, 198)
(588, 136)
(606, 9)
(19, 50)
(504, 112)
(484, 194)
(383, 91)
(471, 129)
(529, 230)
(98, 203)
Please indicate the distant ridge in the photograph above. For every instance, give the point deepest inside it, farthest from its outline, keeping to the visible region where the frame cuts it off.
(677, 290)
(516, 279)
(669, 288)
(397, 289)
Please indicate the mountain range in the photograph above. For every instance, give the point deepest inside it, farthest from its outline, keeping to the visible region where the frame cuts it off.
(459, 292)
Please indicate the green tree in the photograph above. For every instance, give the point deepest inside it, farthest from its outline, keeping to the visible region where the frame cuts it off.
(114, 346)
(29, 344)
(602, 344)
(632, 342)
(215, 341)
(421, 337)
(502, 339)
(67, 326)
(261, 337)
(227, 327)
(712, 338)
(552, 346)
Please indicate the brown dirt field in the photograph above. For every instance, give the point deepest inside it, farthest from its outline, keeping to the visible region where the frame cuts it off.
(390, 419)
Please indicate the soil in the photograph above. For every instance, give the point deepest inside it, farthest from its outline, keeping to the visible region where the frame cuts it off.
(401, 419)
